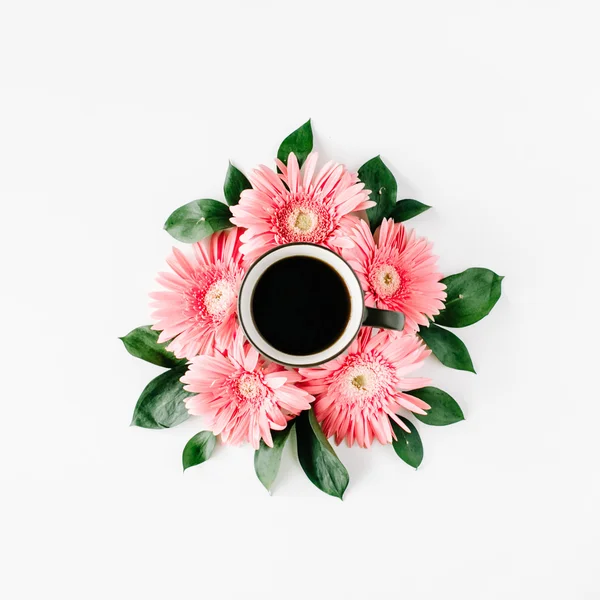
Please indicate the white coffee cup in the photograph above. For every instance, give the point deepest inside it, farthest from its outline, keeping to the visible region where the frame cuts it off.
(359, 314)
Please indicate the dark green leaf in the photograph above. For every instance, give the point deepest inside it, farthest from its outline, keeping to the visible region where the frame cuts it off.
(408, 446)
(142, 343)
(267, 460)
(161, 404)
(198, 449)
(300, 142)
(449, 349)
(471, 295)
(197, 219)
(407, 209)
(444, 409)
(235, 183)
(379, 179)
(317, 457)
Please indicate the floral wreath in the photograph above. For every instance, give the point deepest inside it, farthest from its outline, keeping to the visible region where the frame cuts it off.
(363, 395)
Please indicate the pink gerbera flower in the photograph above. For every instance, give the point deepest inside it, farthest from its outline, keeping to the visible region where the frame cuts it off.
(297, 206)
(242, 395)
(397, 271)
(356, 395)
(199, 307)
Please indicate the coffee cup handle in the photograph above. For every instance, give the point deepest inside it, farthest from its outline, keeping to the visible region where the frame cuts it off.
(383, 319)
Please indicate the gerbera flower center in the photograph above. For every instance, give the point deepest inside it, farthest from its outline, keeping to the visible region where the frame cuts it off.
(385, 280)
(363, 381)
(219, 297)
(303, 221)
(359, 382)
(250, 388)
(303, 218)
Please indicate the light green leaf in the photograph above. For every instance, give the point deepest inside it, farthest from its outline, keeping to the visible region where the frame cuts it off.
(197, 219)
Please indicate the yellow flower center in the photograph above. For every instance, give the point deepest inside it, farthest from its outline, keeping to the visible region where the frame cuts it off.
(304, 221)
(359, 382)
(386, 280)
(219, 297)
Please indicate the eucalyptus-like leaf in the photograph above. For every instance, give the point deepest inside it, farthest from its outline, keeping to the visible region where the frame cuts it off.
(447, 347)
(235, 183)
(300, 142)
(161, 404)
(471, 295)
(444, 408)
(317, 457)
(267, 460)
(198, 449)
(142, 342)
(197, 219)
(407, 209)
(382, 183)
(408, 446)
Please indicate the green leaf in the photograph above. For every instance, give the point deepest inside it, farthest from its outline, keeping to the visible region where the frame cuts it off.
(142, 343)
(444, 408)
(198, 449)
(408, 446)
(317, 457)
(197, 219)
(267, 460)
(471, 295)
(235, 183)
(300, 142)
(161, 404)
(379, 179)
(407, 209)
(448, 348)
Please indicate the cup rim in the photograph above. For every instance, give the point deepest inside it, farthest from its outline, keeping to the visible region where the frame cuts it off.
(330, 357)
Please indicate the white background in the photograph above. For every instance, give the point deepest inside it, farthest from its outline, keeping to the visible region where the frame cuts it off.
(113, 114)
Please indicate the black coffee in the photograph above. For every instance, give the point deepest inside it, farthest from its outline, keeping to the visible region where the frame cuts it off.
(300, 305)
